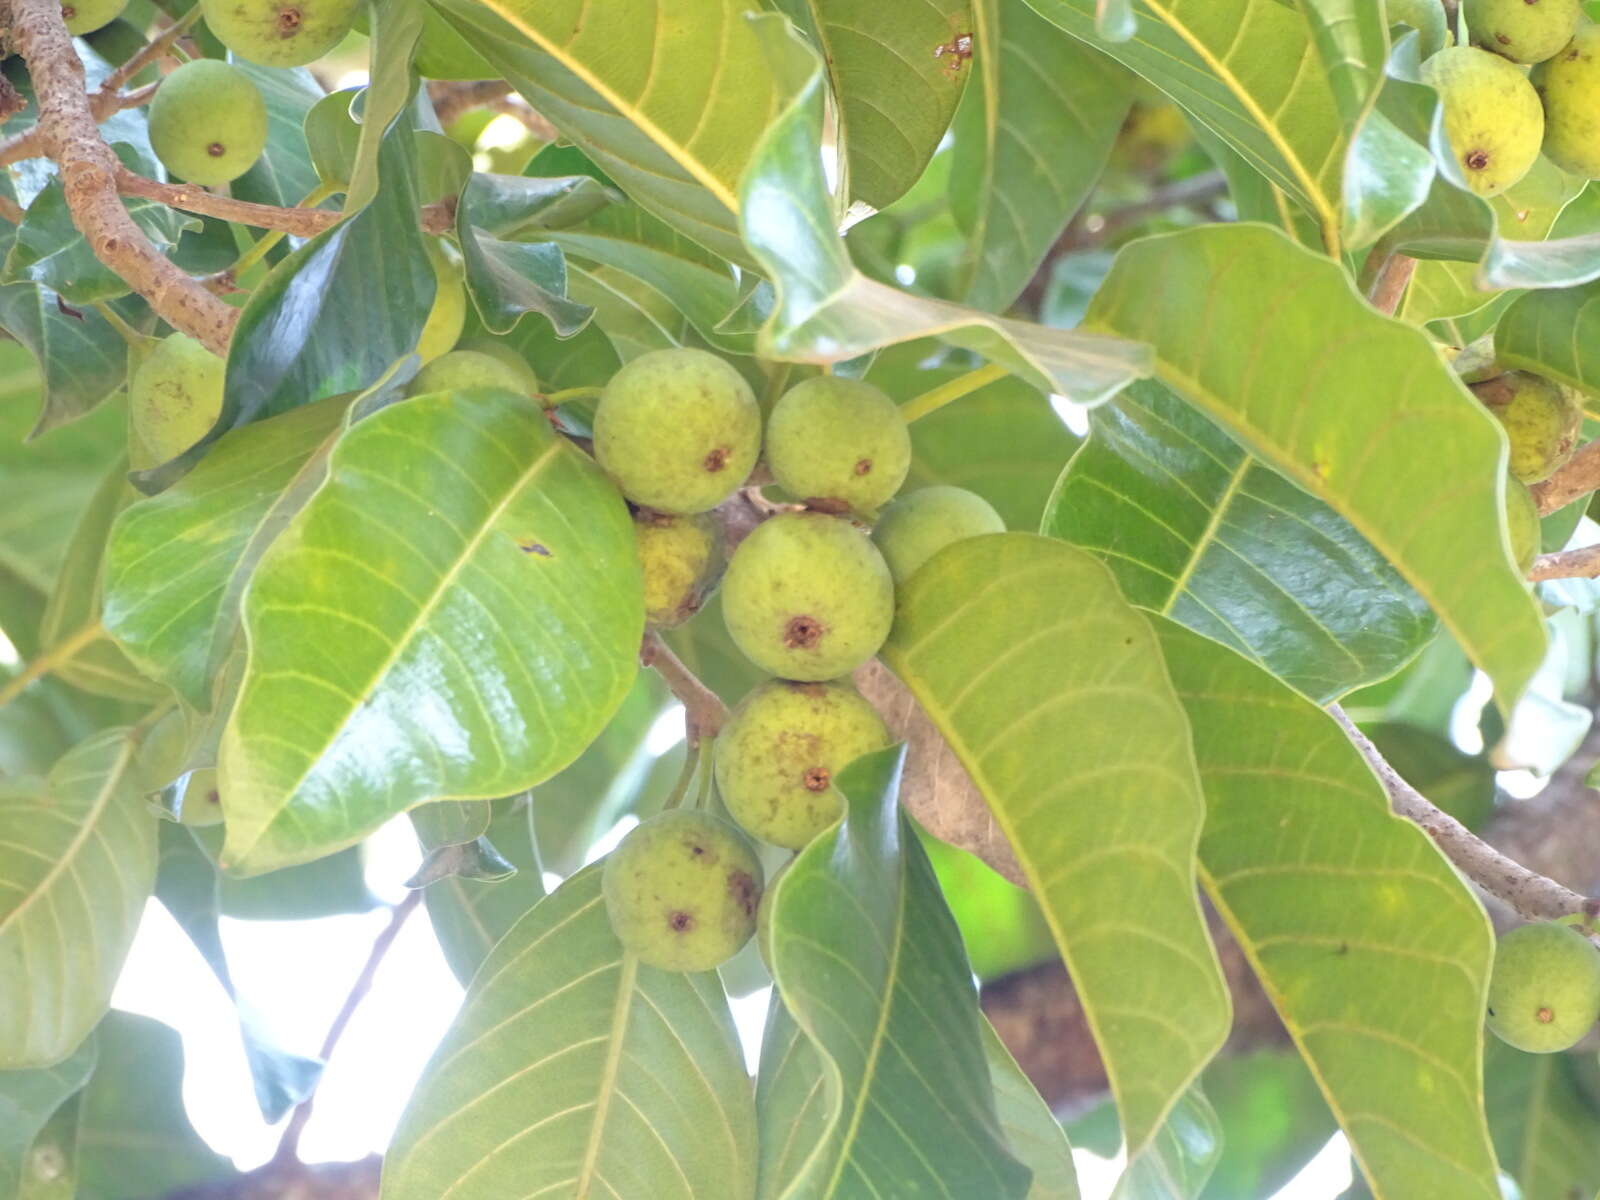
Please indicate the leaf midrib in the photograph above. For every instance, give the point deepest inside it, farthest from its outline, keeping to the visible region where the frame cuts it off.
(621, 1009)
(85, 829)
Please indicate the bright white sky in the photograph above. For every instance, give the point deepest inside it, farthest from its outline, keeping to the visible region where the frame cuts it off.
(296, 974)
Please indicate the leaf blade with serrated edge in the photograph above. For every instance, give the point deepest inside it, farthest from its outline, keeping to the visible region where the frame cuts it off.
(1101, 803)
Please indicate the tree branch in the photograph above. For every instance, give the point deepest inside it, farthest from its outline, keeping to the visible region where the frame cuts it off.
(1579, 477)
(67, 127)
(1583, 563)
(1528, 893)
(301, 222)
(1393, 277)
(704, 711)
(287, 1158)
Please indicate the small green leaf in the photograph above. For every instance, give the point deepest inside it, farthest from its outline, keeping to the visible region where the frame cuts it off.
(470, 917)
(28, 1099)
(82, 359)
(573, 1070)
(1196, 529)
(458, 520)
(1371, 948)
(1247, 319)
(869, 965)
(77, 862)
(1050, 690)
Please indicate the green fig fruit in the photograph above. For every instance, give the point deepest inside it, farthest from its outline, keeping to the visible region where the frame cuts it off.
(807, 596)
(1541, 419)
(682, 891)
(280, 33)
(1525, 31)
(1152, 135)
(85, 16)
(442, 330)
(683, 559)
(456, 369)
(777, 756)
(1492, 116)
(1522, 523)
(174, 398)
(202, 803)
(508, 354)
(1544, 991)
(838, 443)
(208, 122)
(1569, 85)
(678, 430)
(921, 523)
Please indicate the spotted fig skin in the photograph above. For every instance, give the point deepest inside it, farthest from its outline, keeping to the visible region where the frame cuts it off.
(678, 430)
(174, 398)
(208, 122)
(682, 890)
(683, 560)
(808, 596)
(1492, 116)
(839, 443)
(1524, 31)
(1544, 991)
(280, 33)
(1541, 418)
(1569, 86)
(780, 751)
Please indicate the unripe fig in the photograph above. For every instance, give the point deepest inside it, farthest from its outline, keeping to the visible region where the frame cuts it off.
(1522, 523)
(202, 803)
(280, 33)
(1492, 116)
(1544, 991)
(1525, 31)
(508, 354)
(456, 369)
(807, 596)
(777, 757)
(208, 123)
(174, 398)
(85, 16)
(682, 890)
(1154, 133)
(683, 558)
(839, 442)
(678, 430)
(1569, 85)
(921, 523)
(1541, 419)
(442, 330)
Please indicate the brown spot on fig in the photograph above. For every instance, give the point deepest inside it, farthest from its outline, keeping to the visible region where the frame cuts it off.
(1545, 1016)
(745, 892)
(288, 22)
(679, 921)
(717, 459)
(216, 149)
(802, 632)
(816, 779)
(863, 466)
(1477, 160)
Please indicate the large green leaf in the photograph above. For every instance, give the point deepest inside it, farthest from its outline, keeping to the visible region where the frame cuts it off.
(825, 310)
(469, 916)
(1196, 529)
(1258, 333)
(895, 92)
(1031, 1129)
(1032, 136)
(1247, 69)
(675, 137)
(869, 966)
(134, 1138)
(1375, 954)
(572, 1070)
(77, 862)
(1050, 689)
(460, 601)
(1555, 332)
(1545, 1129)
(172, 565)
(27, 1101)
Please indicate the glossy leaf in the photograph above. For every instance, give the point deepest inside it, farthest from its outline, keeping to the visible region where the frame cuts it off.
(1180, 1159)
(572, 1070)
(1196, 529)
(869, 965)
(284, 174)
(1050, 690)
(1543, 1125)
(1555, 332)
(470, 917)
(173, 561)
(1249, 71)
(28, 1099)
(1031, 1129)
(77, 862)
(1236, 346)
(675, 139)
(451, 521)
(508, 279)
(896, 75)
(827, 311)
(1372, 950)
(1034, 130)
(81, 358)
(134, 1138)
